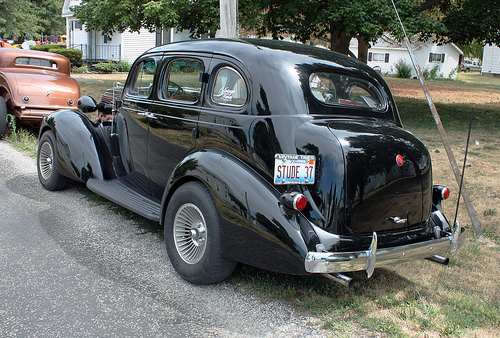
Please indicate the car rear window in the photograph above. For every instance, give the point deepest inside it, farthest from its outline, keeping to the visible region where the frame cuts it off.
(345, 90)
(36, 62)
(229, 88)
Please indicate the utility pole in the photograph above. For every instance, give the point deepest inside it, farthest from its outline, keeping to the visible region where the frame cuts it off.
(228, 19)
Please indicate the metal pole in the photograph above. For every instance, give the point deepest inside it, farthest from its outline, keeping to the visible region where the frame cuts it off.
(228, 19)
(442, 133)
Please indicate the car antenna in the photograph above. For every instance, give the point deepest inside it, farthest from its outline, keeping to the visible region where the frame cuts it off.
(465, 161)
(442, 133)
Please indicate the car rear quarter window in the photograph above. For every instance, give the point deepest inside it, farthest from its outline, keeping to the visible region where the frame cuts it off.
(144, 78)
(345, 90)
(229, 88)
(36, 62)
(182, 81)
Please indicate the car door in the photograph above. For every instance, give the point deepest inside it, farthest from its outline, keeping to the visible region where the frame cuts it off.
(133, 127)
(174, 118)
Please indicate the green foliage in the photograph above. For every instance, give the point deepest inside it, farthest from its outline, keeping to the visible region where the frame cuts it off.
(80, 70)
(113, 67)
(473, 20)
(74, 55)
(22, 139)
(31, 17)
(48, 47)
(403, 69)
(473, 49)
(490, 212)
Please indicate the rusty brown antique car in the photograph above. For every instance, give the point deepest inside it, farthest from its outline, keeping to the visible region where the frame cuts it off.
(34, 84)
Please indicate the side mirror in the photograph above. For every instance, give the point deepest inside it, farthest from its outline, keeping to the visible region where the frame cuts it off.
(87, 104)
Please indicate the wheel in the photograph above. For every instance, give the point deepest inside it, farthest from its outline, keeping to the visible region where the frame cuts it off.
(192, 236)
(3, 117)
(48, 164)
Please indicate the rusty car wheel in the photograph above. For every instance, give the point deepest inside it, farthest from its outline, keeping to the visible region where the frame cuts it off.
(48, 165)
(3, 117)
(192, 236)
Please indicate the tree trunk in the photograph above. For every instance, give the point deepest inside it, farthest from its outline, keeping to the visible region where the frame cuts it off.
(362, 49)
(340, 42)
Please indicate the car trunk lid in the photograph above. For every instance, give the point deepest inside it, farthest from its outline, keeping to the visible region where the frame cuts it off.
(387, 176)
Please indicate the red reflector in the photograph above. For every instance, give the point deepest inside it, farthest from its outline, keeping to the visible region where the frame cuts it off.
(445, 193)
(299, 202)
(400, 160)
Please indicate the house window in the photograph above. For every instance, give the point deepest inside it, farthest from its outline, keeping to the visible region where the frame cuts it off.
(107, 38)
(381, 57)
(77, 25)
(436, 57)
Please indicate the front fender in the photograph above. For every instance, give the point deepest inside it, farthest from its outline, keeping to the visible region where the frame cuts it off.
(255, 228)
(82, 151)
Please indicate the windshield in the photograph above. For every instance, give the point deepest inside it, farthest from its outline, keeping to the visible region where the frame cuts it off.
(344, 90)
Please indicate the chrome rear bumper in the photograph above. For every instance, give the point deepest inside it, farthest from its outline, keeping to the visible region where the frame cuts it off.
(335, 262)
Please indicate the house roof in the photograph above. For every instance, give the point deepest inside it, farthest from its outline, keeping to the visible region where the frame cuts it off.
(66, 11)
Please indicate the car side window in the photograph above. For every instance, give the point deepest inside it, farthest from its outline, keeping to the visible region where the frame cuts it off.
(144, 78)
(182, 82)
(344, 90)
(229, 88)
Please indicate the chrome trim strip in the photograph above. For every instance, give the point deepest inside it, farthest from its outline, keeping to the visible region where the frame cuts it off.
(334, 262)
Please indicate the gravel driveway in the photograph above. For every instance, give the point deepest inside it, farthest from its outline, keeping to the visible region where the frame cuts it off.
(72, 268)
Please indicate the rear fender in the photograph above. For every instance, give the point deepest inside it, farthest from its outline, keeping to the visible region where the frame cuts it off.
(255, 228)
(82, 151)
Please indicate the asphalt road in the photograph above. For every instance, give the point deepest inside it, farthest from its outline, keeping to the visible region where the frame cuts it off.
(72, 268)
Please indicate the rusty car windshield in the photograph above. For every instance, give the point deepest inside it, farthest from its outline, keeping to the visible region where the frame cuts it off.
(345, 90)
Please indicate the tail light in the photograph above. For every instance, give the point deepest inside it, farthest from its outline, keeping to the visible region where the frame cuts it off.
(440, 192)
(294, 200)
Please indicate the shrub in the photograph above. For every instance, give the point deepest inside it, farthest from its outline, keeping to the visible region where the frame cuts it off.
(403, 69)
(107, 67)
(435, 72)
(48, 48)
(82, 69)
(123, 66)
(74, 55)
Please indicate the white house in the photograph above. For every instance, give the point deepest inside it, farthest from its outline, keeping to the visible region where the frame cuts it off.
(491, 60)
(119, 46)
(384, 54)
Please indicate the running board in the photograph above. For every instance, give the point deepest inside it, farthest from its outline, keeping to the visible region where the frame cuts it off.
(118, 192)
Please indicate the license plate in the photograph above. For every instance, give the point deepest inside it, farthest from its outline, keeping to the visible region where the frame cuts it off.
(294, 169)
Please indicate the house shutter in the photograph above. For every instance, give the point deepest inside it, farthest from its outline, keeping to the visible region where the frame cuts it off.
(369, 56)
(430, 57)
(442, 58)
(386, 57)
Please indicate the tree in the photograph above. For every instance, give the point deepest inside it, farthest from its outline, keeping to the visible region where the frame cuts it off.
(471, 20)
(18, 18)
(31, 17)
(335, 22)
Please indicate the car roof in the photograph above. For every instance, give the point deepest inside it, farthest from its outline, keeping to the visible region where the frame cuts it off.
(244, 49)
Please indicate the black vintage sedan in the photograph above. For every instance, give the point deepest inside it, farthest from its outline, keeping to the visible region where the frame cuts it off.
(279, 155)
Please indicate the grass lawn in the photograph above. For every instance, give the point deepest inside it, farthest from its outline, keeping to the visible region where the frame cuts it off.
(417, 299)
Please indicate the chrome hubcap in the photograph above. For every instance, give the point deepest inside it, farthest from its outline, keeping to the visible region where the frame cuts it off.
(190, 233)
(45, 161)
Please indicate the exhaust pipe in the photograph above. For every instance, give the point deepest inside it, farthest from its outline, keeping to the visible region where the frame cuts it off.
(439, 259)
(340, 278)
